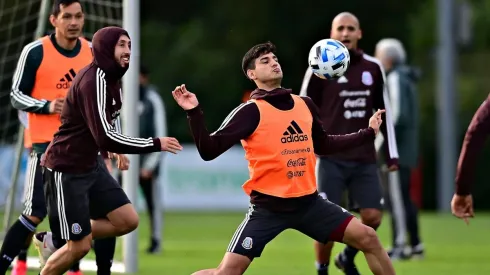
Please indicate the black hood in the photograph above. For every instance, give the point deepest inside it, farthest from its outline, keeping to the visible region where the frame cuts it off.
(103, 46)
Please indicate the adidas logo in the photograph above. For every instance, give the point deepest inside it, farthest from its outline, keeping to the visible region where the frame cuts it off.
(293, 134)
(66, 79)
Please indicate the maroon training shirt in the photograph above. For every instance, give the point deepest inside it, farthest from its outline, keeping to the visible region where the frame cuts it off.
(473, 143)
(347, 103)
(90, 111)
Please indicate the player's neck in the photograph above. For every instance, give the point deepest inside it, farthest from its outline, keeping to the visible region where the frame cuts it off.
(268, 86)
(65, 43)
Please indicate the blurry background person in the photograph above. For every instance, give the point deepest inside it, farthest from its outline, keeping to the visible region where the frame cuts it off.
(152, 121)
(404, 101)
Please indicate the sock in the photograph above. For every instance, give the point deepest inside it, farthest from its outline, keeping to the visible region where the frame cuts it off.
(75, 267)
(23, 255)
(14, 241)
(350, 252)
(322, 268)
(104, 254)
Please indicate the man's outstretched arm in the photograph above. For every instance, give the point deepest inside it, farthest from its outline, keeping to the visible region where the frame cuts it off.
(473, 143)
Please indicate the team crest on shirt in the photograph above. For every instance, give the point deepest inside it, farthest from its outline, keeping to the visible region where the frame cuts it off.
(247, 243)
(367, 78)
(76, 229)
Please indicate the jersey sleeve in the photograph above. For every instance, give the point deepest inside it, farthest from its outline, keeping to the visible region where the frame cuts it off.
(382, 101)
(24, 79)
(238, 125)
(92, 95)
(473, 144)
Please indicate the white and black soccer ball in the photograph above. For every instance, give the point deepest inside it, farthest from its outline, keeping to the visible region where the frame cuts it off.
(329, 59)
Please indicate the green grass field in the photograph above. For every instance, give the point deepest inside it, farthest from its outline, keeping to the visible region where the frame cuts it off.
(194, 241)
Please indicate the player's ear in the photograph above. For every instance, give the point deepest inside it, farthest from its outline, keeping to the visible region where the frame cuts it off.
(52, 20)
(360, 34)
(251, 74)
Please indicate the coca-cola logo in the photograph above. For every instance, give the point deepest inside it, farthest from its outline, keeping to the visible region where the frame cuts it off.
(296, 162)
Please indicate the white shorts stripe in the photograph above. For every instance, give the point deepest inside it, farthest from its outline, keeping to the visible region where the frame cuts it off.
(29, 184)
(239, 231)
(64, 228)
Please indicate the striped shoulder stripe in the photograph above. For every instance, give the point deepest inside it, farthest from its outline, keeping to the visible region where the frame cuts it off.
(231, 115)
(109, 129)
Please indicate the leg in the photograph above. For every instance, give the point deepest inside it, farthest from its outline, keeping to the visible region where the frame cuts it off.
(325, 221)
(148, 186)
(18, 237)
(259, 227)
(331, 186)
(365, 191)
(67, 197)
(104, 254)
(411, 213)
(364, 238)
(398, 218)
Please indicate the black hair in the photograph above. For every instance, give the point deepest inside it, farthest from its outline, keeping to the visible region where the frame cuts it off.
(58, 3)
(248, 61)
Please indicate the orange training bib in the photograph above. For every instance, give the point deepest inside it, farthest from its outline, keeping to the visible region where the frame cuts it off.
(280, 152)
(53, 79)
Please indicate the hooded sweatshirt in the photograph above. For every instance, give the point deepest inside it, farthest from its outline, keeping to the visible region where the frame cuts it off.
(91, 112)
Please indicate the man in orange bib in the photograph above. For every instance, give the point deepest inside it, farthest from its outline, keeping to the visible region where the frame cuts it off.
(281, 133)
(44, 73)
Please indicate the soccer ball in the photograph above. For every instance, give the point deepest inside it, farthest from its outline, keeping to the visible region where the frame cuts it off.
(329, 59)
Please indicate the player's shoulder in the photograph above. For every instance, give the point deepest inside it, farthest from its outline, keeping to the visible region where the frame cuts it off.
(33, 49)
(370, 60)
(245, 106)
(372, 63)
(309, 102)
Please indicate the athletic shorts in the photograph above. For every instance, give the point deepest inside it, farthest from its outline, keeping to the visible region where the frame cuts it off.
(361, 180)
(320, 220)
(74, 199)
(34, 203)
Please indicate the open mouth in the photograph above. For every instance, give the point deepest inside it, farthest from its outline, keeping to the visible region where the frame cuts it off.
(125, 59)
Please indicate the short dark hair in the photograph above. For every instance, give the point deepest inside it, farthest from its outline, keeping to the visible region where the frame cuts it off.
(57, 3)
(248, 61)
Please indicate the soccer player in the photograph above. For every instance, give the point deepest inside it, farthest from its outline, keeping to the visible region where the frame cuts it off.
(84, 200)
(473, 143)
(44, 73)
(345, 106)
(400, 80)
(281, 133)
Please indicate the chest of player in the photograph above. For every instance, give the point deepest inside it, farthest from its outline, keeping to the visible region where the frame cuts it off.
(56, 71)
(352, 92)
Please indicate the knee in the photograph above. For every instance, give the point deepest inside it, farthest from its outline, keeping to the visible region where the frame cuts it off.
(371, 217)
(368, 240)
(78, 249)
(130, 223)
